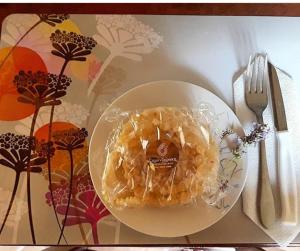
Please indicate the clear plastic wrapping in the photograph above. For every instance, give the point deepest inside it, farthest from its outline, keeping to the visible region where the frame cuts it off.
(160, 157)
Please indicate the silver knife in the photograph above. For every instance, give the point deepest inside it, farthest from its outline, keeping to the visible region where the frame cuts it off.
(286, 172)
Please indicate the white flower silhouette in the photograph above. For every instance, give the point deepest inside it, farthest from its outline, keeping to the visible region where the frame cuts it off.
(124, 36)
(19, 208)
(66, 112)
(73, 113)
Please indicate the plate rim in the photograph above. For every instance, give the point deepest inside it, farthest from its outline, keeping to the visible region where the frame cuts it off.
(244, 158)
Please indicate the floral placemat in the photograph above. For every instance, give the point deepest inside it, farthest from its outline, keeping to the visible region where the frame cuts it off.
(56, 78)
(58, 73)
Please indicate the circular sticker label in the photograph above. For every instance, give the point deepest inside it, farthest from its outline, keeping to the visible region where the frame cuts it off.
(162, 154)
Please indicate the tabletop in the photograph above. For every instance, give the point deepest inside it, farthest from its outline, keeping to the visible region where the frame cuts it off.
(227, 9)
(206, 50)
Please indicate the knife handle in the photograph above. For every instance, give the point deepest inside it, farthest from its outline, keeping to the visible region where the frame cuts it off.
(287, 180)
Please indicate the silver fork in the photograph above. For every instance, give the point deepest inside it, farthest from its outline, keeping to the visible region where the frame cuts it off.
(257, 100)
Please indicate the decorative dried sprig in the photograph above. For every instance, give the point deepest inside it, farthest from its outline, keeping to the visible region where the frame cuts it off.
(258, 133)
(237, 144)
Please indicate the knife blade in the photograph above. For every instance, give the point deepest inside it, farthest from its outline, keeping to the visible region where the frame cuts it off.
(286, 171)
(277, 100)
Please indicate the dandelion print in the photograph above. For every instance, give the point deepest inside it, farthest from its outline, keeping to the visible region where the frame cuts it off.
(71, 46)
(110, 80)
(39, 89)
(75, 114)
(123, 36)
(51, 19)
(18, 205)
(69, 140)
(15, 153)
(62, 172)
(85, 206)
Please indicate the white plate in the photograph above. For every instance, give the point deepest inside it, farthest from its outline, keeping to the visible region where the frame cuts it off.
(170, 222)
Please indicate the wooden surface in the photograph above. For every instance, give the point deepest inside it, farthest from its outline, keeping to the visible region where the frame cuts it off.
(225, 9)
(161, 9)
(157, 8)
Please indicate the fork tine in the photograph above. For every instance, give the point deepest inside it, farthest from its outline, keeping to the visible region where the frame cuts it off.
(265, 75)
(260, 73)
(254, 77)
(248, 75)
(257, 101)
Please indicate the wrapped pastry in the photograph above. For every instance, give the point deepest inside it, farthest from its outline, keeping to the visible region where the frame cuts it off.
(160, 157)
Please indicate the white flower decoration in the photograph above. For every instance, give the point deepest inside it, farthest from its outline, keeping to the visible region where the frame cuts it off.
(19, 208)
(123, 36)
(66, 112)
(73, 113)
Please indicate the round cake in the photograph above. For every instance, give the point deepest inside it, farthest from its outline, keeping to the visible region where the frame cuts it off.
(160, 157)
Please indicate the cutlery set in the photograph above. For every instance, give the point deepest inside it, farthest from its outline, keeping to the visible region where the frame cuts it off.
(261, 76)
